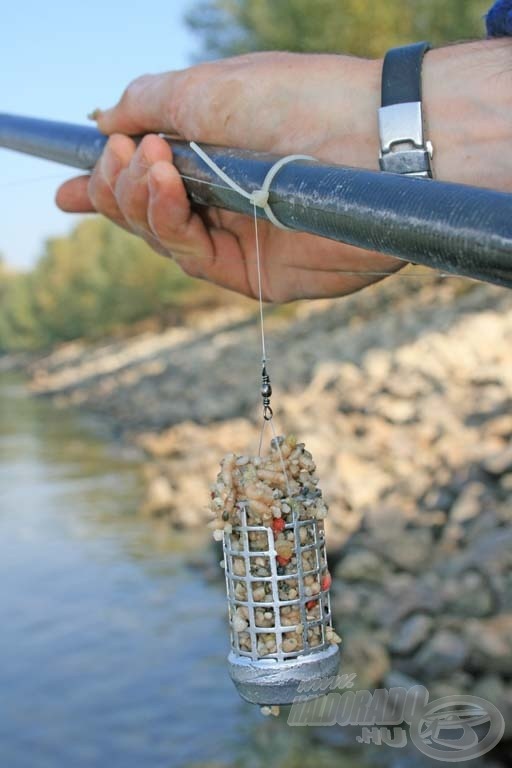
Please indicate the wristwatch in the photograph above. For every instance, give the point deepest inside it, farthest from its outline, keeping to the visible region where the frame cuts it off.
(403, 148)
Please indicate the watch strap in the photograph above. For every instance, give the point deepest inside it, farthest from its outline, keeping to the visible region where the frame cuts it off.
(401, 74)
(403, 148)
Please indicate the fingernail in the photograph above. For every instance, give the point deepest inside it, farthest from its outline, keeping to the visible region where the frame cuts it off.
(95, 114)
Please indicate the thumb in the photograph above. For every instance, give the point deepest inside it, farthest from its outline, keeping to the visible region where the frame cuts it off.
(144, 107)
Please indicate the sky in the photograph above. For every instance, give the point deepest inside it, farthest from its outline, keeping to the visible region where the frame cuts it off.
(60, 60)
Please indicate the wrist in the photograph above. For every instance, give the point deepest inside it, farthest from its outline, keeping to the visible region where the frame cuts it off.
(351, 100)
(467, 104)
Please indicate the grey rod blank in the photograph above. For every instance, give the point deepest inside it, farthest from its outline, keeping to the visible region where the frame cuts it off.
(454, 228)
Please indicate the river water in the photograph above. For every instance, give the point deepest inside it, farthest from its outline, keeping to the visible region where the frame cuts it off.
(112, 645)
(113, 634)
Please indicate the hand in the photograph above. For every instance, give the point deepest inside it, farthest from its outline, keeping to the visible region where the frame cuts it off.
(325, 106)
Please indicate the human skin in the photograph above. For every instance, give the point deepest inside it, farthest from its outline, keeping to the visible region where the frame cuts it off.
(320, 105)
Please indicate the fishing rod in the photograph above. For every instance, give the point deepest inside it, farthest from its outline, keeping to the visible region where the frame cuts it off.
(453, 228)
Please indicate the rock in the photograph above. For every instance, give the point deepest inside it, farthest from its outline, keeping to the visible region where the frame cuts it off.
(413, 595)
(439, 499)
(345, 601)
(469, 503)
(411, 551)
(468, 595)
(493, 689)
(501, 426)
(441, 655)
(159, 496)
(395, 679)
(454, 685)
(489, 687)
(411, 634)
(500, 463)
(362, 480)
(368, 658)
(506, 482)
(491, 554)
(490, 643)
(361, 566)
(394, 410)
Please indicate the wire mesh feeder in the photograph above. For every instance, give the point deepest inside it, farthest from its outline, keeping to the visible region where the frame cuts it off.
(279, 605)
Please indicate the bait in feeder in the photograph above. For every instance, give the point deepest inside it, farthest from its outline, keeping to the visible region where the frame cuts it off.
(269, 514)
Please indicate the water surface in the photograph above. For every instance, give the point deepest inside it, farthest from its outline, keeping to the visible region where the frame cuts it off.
(113, 633)
(112, 647)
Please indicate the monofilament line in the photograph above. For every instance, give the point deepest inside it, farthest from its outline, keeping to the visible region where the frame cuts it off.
(260, 305)
(260, 288)
(264, 349)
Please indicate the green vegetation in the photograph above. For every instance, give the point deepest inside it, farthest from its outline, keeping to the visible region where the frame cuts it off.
(361, 27)
(88, 285)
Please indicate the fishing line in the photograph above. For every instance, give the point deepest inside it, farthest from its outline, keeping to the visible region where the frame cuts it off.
(35, 180)
(259, 198)
(267, 411)
(260, 290)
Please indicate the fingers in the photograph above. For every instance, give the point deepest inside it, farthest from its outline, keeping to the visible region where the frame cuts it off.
(131, 185)
(97, 191)
(140, 190)
(212, 253)
(116, 157)
(172, 222)
(73, 196)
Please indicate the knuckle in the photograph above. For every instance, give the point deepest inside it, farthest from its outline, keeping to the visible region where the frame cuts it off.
(132, 91)
(178, 107)
(189, 265)
(184, 264)
(188, 106)
(205, 102)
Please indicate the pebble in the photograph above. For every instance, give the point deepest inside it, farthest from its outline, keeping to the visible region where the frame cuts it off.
(411, 634)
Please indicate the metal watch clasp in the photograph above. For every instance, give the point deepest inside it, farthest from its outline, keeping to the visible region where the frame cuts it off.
(403, 148)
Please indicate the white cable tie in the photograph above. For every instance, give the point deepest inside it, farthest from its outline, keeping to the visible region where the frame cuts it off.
(259, 197)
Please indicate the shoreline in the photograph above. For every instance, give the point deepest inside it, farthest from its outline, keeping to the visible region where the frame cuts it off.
(403, 398)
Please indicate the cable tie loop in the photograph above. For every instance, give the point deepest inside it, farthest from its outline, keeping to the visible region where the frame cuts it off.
(258, 198)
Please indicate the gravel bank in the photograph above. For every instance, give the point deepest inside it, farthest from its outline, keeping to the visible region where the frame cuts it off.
(404, 398)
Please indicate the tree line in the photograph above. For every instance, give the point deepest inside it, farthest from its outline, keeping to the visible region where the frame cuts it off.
(89, 284)
(359, 27)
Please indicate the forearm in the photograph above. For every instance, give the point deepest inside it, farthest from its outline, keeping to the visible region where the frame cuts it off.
(467, 98)
(467, 106)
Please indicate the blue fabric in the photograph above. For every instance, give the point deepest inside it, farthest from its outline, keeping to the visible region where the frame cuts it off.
(499, 19)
